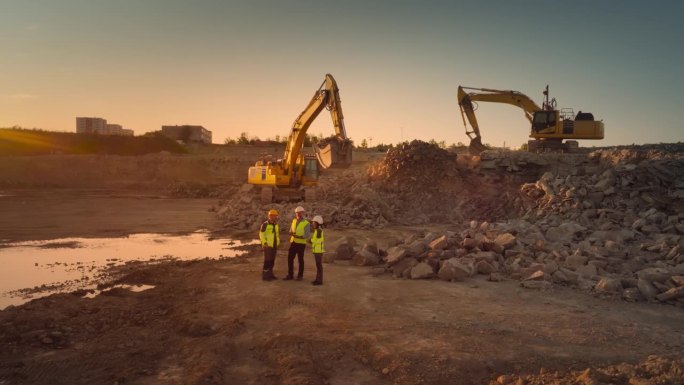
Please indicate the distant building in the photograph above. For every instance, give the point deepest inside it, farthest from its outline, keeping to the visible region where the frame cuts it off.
(90, 125)
(100, 126)
(116, 129)
(187, 133)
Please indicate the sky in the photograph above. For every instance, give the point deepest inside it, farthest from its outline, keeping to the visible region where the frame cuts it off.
(252, 66)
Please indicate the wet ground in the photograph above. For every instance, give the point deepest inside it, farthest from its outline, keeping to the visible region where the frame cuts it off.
(31, 269)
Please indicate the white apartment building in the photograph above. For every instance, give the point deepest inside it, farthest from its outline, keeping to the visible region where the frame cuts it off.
(100, 126)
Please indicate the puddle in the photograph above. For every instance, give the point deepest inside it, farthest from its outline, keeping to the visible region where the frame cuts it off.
(133, 288)
(38, 268)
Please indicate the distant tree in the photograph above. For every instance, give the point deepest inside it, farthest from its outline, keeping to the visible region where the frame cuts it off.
(441, 144)
(364, 143)
(229, 140)
(243, 138)
(524, 147)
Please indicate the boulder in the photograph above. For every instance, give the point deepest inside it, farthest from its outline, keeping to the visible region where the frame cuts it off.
(454, 270)
(671, 294)
(439, 243)
(404, 265)
(366, 258)
(647, 289)
(506, 240)
(422, 271)
(395, 254)
(609, 285)
(654, 274)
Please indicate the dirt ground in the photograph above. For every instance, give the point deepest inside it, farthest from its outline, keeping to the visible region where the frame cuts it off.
(216, 322)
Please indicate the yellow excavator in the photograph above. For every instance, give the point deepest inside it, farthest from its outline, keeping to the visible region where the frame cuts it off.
(295, 176)
(550, 126)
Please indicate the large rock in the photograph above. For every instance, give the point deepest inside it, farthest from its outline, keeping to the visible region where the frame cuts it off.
(485, 268)
(366, 258)
(439, 243)
(506, 240)
(647, 289)
(344, 251)
(401, 268)
(422, 271)
(455, 270)
(609, 285)
(671, 294)
(654, 274)
(395, 254)
(564, 233)
(574, 261)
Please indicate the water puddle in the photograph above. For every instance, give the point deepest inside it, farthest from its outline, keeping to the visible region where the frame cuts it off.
(37, 268)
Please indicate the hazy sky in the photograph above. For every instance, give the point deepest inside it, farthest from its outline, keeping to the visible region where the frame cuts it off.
(252, 66)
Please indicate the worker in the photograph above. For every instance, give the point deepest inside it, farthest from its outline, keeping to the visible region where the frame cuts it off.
(269, 233)
(300, 232)
(317, 247)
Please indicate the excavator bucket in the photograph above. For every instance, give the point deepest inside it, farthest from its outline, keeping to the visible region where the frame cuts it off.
(334, 152)
(476, 147)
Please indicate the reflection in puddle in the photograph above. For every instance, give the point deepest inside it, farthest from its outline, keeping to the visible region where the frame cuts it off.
(133, 288)
(76, 263)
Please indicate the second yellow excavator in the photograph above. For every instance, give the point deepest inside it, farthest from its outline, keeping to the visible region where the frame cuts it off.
(295, 176)
(550, 126)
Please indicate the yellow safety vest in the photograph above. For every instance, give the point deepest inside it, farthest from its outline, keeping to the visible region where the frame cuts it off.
(317, 240)
(298, 230)
(269, 233)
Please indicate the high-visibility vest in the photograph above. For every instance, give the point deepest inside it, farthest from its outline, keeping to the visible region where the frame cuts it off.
(269, 233)
(317, 240)
(299, 229)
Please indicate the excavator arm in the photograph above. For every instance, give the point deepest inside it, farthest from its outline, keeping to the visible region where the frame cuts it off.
(337, 151)
(465, 102)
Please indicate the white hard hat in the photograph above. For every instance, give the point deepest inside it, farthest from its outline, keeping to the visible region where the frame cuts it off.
(318, 219)
(299, 209)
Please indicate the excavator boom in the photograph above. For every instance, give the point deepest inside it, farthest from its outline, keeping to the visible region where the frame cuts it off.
(549, 126)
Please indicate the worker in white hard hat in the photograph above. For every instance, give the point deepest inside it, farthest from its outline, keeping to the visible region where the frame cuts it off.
(269, 234)
(300, 232)
(317, 247)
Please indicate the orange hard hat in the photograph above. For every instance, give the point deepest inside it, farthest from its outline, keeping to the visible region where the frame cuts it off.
(273, 212)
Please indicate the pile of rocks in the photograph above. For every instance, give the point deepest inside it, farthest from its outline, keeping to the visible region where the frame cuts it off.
(652, 370)
(616, 232)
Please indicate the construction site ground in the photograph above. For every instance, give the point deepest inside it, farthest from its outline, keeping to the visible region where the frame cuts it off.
(217, 322)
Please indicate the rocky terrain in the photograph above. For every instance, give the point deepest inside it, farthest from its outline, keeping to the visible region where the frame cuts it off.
(608, 221)
(508, 268)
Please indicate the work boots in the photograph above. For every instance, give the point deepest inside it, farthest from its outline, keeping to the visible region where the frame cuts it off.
(267, 275)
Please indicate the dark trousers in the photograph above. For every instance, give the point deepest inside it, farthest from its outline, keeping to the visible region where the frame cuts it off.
(295, 249)
(319, 266)
(269, 258)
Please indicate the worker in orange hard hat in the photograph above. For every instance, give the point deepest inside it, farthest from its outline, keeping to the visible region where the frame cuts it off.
(269, 234)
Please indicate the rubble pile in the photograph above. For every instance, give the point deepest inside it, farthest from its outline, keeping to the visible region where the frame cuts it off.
(343, 199)
(415, 183)
(616, 233)
(426, 184)
(652, 370)
(411, 168)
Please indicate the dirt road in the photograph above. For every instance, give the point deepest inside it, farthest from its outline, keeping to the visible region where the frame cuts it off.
(216, 322)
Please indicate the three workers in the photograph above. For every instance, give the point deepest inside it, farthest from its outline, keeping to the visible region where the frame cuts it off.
(300, 234)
